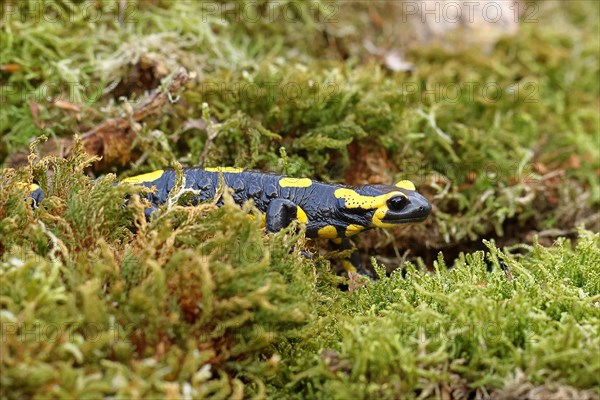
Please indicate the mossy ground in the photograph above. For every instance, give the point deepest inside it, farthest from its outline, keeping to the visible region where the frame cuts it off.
(199, 302)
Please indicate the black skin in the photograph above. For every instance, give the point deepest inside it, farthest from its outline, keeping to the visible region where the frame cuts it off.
(280, 204)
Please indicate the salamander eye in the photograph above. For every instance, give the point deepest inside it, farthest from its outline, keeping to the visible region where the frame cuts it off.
(397, 203)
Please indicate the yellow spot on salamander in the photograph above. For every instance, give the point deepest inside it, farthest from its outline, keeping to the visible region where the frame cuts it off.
(144, 178)
(348, 267)
(356, 200)
(408, 185)
(353, 229)
(327, 232)
(295, 182)
(32, 186)
(263, 218)
(301, 215)
(231, 170)
(378, 217)
(337, 240)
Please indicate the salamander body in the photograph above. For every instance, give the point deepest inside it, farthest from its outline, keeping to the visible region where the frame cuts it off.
(330, 211)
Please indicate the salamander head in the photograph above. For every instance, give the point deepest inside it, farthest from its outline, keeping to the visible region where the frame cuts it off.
(407, 206)
(384, 206)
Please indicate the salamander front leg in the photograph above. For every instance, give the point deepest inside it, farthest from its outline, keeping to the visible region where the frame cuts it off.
(280, 214)
(352, 263)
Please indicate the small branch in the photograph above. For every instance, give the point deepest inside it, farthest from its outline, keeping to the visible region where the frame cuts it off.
(154, 103)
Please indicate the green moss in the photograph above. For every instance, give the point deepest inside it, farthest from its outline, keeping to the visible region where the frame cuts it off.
(96, 301)
(197, 287)
(417, 333)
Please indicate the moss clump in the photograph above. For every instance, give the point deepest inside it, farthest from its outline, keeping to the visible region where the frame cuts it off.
(199, 302)
(97, 302)
(464, 330)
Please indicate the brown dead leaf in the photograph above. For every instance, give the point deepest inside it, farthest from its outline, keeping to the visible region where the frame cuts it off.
(160, 351)
(471, 176)
(65, 105)
(334, 362)
(112, 139)
(375, 18)
(35, 112)
(356, 281)
(541, 168)
(370, 166)
(10, 68)
(141, 77)
(575, 161)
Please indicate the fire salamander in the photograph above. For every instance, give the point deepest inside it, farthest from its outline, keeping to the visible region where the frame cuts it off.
(330, 211)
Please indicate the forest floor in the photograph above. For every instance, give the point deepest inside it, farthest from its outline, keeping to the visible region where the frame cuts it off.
(496, 295)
